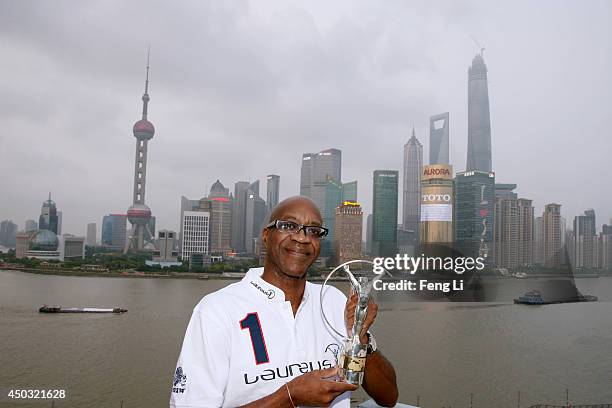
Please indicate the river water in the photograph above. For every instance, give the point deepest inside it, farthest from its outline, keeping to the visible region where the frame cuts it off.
(442, 352)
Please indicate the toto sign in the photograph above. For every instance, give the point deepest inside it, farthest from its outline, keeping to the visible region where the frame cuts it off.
(436, 198)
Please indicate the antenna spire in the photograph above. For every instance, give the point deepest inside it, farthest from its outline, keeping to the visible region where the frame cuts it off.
(145, 96)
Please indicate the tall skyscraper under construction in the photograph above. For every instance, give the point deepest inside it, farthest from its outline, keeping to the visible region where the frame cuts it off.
(479, 121)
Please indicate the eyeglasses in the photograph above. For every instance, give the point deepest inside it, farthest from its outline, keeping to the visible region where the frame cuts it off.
(290, 227)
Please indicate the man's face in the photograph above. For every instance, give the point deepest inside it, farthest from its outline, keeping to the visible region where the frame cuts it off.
(294, 253)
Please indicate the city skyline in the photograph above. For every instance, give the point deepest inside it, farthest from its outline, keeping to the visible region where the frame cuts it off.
(94, 183)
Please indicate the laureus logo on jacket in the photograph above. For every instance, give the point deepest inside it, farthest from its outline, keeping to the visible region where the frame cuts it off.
(269, 292)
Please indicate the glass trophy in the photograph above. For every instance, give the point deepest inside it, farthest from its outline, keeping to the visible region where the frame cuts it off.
(352, 358)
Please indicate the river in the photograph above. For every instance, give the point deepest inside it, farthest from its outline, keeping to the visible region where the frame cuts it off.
(443, 352)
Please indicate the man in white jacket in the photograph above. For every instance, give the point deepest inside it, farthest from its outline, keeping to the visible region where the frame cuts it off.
(262, 342)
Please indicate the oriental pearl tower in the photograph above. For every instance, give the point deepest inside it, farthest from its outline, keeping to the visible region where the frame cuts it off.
(139, 214)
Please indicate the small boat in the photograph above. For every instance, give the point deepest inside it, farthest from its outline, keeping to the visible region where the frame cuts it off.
(59, 309)
(534, 297)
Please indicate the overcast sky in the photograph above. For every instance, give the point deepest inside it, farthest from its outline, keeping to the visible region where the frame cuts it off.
(241, 89)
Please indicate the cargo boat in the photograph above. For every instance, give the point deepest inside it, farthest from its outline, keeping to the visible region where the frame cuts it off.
(59, 309)
(534, 297)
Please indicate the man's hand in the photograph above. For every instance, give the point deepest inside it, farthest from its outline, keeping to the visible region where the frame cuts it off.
(317, 388)
(349, 316)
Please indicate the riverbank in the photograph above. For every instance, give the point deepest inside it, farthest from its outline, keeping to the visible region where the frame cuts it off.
(124, 274)
(232, 276)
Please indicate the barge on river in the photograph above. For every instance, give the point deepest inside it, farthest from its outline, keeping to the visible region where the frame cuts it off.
(59, 309)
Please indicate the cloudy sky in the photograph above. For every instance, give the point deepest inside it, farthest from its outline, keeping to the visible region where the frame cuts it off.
(241, 89)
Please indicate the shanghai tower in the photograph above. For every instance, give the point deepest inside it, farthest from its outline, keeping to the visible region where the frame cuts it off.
(479, 122)
(139, 214)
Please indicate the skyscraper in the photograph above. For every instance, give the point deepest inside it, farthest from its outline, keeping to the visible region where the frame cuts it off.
(551, 234)
(506, 226)
(437, 198)
(474, 201)
(526, 232)
(317, 168)
(31, 225)
(332, 199)
(220, 219)
(239, 216)
(585, 236)
(48, 216)
(195, 240)
(114, 230)
(413, 163)
(479, 122)
(272, 190)
(438, 139)
(91, 234)
(321, 180)
(349, 226)
(255, 213)
(139, 213)
(60, 219)
(384, 213)
(605, 247)
(349, 191)
(8, 233)
(538, 241)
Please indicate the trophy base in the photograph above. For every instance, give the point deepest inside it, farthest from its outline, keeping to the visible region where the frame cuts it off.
(352, 363)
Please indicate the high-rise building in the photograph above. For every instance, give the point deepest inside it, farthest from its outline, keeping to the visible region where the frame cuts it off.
(48, 216)
(436, 224)
(321, 180)
(255, 214)
(384, 212)
(22, 241)
(272, 191)
(114, 231)
(605, 247)
(585, 237)
(60, 219)
(551, 235)
(525, 232)
(31, 225)
(538, 241)
(369, 234)
(91, 234)
(317, 168)
(150, 231)
(349, 191)
(479, 121)
(332, 199)
(8, 233)
(71, 247)
(474, 201)
(239, 216)
(413, 164)
(506, 226)
(139, 214)
(220, 219)
(195, 239)
(349, 227)
(438, 139)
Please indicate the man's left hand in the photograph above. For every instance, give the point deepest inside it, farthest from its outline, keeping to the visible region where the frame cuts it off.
(349, 316)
